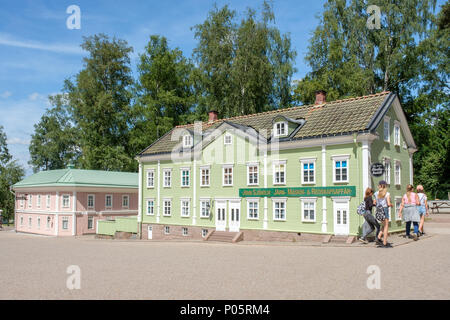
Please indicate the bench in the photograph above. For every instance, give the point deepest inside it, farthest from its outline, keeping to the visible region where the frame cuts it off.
(439, 204)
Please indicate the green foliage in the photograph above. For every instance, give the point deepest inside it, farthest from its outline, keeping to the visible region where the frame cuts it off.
(5, 157)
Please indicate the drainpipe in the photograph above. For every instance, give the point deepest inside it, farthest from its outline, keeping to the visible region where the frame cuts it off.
(15, 201)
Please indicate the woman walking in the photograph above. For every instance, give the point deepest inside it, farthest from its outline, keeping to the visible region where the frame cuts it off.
(423, 207)
(409, 213)
(383, 199)
(371, 221)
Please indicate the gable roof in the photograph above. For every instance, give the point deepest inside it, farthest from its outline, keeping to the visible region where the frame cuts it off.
(333, 118)
(80, 178)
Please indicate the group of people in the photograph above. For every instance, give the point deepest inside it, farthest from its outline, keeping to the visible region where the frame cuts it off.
(413, 209)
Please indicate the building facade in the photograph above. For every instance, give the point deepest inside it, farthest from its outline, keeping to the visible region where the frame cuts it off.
(69, 202)
(282, 174)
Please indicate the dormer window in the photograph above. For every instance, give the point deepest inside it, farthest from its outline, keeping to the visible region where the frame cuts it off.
(187, 141)
(280, 129)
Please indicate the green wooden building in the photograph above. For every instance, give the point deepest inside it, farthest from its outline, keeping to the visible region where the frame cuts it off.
(280, 175)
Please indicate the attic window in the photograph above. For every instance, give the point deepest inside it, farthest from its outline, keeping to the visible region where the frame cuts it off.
(280, 129)
(187, 141)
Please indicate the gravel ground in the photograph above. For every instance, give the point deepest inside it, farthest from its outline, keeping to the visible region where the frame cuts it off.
(34, 267)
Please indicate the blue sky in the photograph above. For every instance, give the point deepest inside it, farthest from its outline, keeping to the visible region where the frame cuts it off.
(38, 51)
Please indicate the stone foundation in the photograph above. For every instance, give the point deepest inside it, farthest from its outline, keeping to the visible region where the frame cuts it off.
(264, 235)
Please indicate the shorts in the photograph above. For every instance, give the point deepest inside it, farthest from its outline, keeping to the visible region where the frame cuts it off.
(421, 210)
(386, 212)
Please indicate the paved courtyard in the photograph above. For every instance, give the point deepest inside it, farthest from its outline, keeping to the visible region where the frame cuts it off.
(34, 267)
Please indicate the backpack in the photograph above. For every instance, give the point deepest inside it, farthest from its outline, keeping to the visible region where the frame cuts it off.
(361, 208)
(379, 213)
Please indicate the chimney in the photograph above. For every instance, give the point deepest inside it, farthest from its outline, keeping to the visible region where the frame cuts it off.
(321, 97)
(213, 116)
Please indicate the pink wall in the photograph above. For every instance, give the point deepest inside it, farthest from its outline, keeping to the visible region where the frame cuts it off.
(42, 229)
(100, 201)
(65, 232)
(34, 201)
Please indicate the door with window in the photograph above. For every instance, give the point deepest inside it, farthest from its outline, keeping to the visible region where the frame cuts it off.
(221, 216)
(150, 233)
(235, 216)
(341, 218)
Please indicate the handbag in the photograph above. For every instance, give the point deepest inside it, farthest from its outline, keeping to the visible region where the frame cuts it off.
(379, 214)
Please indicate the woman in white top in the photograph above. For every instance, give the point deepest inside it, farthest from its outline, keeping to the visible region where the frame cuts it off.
(383, 199)
(423, 207)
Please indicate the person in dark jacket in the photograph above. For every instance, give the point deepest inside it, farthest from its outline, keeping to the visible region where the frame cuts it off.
(370, 219)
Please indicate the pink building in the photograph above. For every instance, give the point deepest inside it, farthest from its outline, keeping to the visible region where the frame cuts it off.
(69, 202)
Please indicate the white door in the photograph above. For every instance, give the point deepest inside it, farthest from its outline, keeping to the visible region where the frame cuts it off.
(150, 233)
(341, 218)
(235, 216)
(221, 216)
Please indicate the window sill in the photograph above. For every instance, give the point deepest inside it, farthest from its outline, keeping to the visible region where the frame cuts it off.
(205, 186)
(309, 221)
(185, 217)
(253, 219)
(205, 217)
(308, 183)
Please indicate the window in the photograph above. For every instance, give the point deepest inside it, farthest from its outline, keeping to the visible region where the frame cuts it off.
(340, 169)
(30, 200)
(308, 210)
(22, 200)
(90, 222)
(185, 207)
(204, 232)
(204, 177)
(252, 174)
(386, 130)
(166, 230)
(228, 139)
(150, 207)
(387, 170)
(252, 209)
(150, 178)
(279, 173)
(39, 222)
(30, 222)
(397, 172)
(49, 198)
(187, 141)
(185, 181)
(308, 171)
(279, 210)
(167, 178)
(108, 200)
(21, 220)
(91, 201)
(38, 201)
(65, 223)
(398, 203)
(280, 129)
(167, 207)
(184, 231)
(205, 206)
(65, 200)
(48, 222)
(397, 134)
(125, 201)
(228, 176)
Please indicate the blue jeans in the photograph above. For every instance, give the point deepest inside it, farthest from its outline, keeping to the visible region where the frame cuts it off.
(408, 227)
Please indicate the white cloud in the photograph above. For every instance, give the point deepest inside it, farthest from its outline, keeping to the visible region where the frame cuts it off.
(16, 140)
(5, 94)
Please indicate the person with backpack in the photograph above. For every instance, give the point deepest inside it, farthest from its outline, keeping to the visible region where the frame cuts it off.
(409, 213)
(368, 217)
(383, 202)
(423, 207)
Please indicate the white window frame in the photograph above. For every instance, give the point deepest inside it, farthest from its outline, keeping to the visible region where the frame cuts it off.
(126, 196)
(63, 197)
(165, 201)
(252, 165)
(93, 201)
(30, 200)
(91, 218)
(397, 133)
(39, 222)
(30, 222)
(204, 201)
(279, 200)
(65, 220)
(151, 172)
(165, 172)
(38, 201)
(397, 204)
(337, 159)
(202, 169)
(227, 136)
(252, 201)
(182, 202)
(106, 201)
(204, 233)
(166, 229)
(48, 222)
(388, 121)
(22, 200)
(309, 201)
(387, 170)
(308, 161)
(224, 168)
(276, 165)
(282, 125)
(399, 181)
(147, 206)
(188, 170)
(21, 220)
(187, 141)
(48, 201)
(184, 231)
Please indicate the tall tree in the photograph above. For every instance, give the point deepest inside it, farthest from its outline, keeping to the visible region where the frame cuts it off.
(54, 141)
(165, 96)
(100, 100)
(5, 156)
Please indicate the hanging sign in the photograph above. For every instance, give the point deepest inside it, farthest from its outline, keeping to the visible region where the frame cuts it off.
(377, 169)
